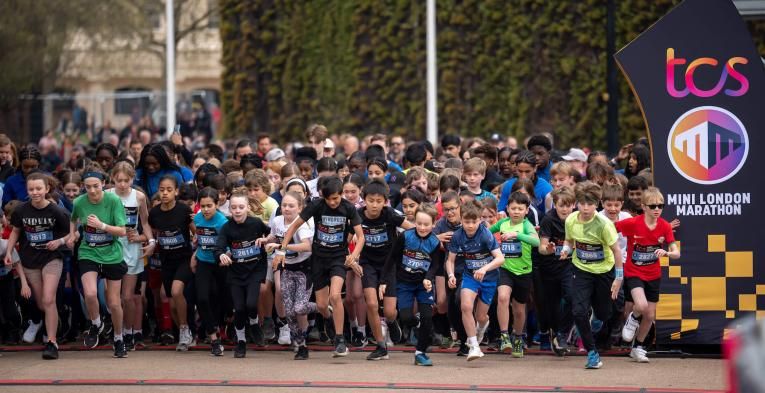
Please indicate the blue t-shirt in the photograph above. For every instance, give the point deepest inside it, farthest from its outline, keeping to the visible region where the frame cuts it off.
(483, 195)
(541, 189)
(207, 235)
(187, 174)
(153, 180)
(544, 173)
(476, 250)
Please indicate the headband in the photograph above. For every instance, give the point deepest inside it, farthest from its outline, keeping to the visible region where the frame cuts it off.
(299, 181)
(93, 174)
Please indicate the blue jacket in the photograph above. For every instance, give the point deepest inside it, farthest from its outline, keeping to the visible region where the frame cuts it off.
(15, 188)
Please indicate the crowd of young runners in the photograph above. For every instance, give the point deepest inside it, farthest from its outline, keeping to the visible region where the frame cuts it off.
(473, 244)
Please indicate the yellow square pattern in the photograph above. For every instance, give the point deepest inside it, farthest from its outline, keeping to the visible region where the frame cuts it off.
(716, 243)
(760, 315)
(760, 290)
(747, 302)
(664, 261)
(739, 264)
(670, 307)
(730, 314)
(687, 325)
(684, 280)
(709, 294)
(675, 272)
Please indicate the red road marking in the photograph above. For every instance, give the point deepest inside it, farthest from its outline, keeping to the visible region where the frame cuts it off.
(338, 385)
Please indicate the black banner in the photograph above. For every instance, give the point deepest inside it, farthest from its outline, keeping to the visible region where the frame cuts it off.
(701, 86)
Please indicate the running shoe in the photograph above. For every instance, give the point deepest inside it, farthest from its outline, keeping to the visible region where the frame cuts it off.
(269, 329)
(138, 341)
(129, 342)
(474, 353)
(464, 350)
(630, 328)
(517, 350)
(302, 353)
(422, 359)
(360, 340)
(507, 343)
(544, 341)
(394, 332)
(119, 349)
(241, 349)
(593, 360)
(92, 335)
(184, 340)
(216, 348)
(446, 342)
(380, 353)
(329, 327)
(284, 335)
(480, 331)
(341, 349)
(559, 344)
(167, 338)
(50, 352)
(31, 333)
(257, 335)
(638, 354)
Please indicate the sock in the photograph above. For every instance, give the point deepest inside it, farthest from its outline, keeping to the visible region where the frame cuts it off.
(483, 326)
(137, 331)
(354, 323)
(503, 331)
(363, 331)
(472, 341)
(117, 337)
(311, 322)
(637, 316)
(253, 321)
(127, 331)
(416, 352)
(637, 343)
(96, 321)
(240, 335)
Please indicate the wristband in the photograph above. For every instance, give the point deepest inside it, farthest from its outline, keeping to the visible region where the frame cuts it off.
(152, 241)
(103, 226)
(280, 252)
(619, 273)
(62, 241)
(567, 249)
(451, 275)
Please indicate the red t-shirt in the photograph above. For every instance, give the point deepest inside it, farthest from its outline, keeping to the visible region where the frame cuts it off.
(642, 262)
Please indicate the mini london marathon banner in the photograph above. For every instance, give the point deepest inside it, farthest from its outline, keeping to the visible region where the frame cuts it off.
(701, 86)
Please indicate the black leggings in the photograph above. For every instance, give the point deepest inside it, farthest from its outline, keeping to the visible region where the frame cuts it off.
(591, 291)
(245, 299)
(425, 331)
(211, 300)
(556, 309)
(455, 310)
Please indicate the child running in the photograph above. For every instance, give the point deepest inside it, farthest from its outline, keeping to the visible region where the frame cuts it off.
(482, 256)
(518, 238)
(172, 224)
(44, 226)
(597, 259)
(646, 235)
(210, 280)
(412, 265)
(333, 216)
(237, 248)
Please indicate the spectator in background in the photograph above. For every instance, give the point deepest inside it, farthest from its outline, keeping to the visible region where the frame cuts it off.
(8, 158)
(350, 145)
(396, 153)
(264, 145)
(16, 186)
(451, 145)
(51, 159)
(541, 146)
(578, 160)
(488, 153)
(242, 147)
(316, 134)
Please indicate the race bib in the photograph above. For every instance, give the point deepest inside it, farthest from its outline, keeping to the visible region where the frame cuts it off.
(415, 261)
(644, 255)
(39, 239)
(170, 240)
(97, 238)
(590, 253)
(329, 239)
(331, 231)
(512, 248)
(155, 262)
(375, 237)
(206, 238)
(245, 251)
(475, 261)
(131, 215)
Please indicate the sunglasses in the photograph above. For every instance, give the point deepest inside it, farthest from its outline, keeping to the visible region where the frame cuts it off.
(654, 207)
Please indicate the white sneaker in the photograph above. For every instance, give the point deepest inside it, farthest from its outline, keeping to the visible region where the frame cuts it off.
(184, 340)
(638, 354)
(481, 331)
(388, 342)
(474, 353)
(630, 328)
(31, 333)
(284, 335)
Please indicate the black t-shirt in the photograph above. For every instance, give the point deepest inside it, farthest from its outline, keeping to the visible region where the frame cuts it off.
(553, 228)
(379, 234)
(246, 257)
(330, 238)
(172, 230)
(38, 227)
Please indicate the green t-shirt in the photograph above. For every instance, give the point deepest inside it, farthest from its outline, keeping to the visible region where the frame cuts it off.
(517, 252)
(97, 245)
(592, 242)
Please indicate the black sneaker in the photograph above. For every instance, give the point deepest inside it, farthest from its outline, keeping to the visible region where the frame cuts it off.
(329, 327)
(394, 331)
(302, 353)
(559, 345)
(50, 352)
(463, 351)
(92, 335)
(341, 349)
(119, 349)
(167, 338)
(257, 335)
(380, 353)
(129, 343)
(269, 329)
(359, 340)
(138, 341)
(217, 348)
(241, 349)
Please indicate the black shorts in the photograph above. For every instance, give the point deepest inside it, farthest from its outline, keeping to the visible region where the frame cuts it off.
(521, 284)
(651, 288)
(175, 271)
(372, 277)
(110, 271)
(323, 269)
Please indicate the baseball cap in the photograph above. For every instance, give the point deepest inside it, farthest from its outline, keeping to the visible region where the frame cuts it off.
(496, 137)
(328, 144)
(575, 154)
(275, 154)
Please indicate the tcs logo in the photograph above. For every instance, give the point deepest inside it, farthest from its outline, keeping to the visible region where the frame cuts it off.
(691, 88)
(708, 145)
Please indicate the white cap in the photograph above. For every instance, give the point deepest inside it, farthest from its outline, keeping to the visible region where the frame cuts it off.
(575, 154)
(275, 154)
(328, 144)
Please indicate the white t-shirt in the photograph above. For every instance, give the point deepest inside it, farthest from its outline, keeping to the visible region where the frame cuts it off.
(4, 270)
(622, 240)
(278, 228)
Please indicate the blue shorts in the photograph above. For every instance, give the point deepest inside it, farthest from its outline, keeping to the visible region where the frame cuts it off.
(485, 289)
(407, 293)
